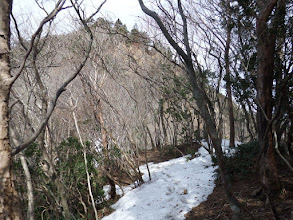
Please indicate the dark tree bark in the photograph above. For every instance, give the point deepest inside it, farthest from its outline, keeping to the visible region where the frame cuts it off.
(228, 77)
(266, 42)
(247, 119)
(165, 138)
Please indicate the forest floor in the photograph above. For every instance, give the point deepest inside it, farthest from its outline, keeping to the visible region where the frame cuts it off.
(216, 207)
(248, 193)
(176, 185)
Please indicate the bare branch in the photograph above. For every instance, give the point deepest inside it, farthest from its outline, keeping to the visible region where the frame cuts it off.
(18, 32)
(169, 38)
(279, 153)
(48, 18)
(267, 10)
(62, 88)
(99, 8)
(185, 33)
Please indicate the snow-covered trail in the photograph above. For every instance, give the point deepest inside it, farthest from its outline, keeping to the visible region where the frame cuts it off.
(176, 186)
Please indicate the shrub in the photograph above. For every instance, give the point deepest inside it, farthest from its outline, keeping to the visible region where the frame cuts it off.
(241, 163)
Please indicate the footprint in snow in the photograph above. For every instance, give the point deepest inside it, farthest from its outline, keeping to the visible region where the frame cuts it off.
(183, 200)
(170, 190)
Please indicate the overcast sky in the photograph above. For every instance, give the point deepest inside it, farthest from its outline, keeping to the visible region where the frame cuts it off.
(126, 10)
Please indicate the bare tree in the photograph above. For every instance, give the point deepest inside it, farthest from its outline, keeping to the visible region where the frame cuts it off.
(229, 27)
(9, 203)
(199, 95)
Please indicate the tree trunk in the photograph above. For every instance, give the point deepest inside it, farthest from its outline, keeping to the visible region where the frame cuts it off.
(252, 116)
(166, 142)
(228, 76)
(265, 54)
(150, 136)
(107, 158)
(247, 121)
(203, 103)
(9, 202)
(57, 179)
(228, 81)
(216, 141)
(29, 185)
(51, 172)
(198, 131)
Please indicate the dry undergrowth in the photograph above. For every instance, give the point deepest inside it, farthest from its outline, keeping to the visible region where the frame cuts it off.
(217, 207)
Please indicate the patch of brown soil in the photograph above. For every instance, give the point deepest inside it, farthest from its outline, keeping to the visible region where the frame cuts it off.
(156, 156)
(167, 153)
(217, 207)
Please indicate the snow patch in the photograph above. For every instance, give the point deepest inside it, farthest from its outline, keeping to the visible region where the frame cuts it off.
(177, 185)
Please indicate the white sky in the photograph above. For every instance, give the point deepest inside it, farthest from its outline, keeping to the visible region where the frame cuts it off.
(126, 10)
